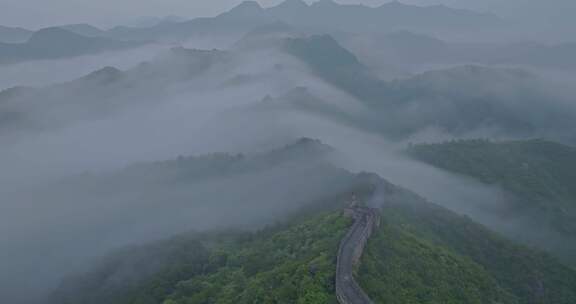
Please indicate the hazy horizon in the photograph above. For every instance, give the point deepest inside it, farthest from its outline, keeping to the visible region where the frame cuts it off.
(128, 136)
(107, 13)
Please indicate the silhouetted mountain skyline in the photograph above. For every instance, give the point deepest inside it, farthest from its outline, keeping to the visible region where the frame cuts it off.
(325, 14)
(54, 43)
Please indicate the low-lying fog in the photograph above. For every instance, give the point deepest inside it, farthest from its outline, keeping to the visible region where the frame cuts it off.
(45, 72)
(47, 230)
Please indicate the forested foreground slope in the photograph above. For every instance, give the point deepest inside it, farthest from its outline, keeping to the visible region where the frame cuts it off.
(288, 263)
(426, 254)
(421, 254)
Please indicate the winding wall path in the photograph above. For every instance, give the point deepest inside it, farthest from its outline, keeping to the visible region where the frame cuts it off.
(349, 253)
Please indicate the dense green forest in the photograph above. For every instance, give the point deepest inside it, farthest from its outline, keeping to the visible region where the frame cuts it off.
(288, 263)
(539, 179)
(426, 254)
(421, 254)
(295, 265)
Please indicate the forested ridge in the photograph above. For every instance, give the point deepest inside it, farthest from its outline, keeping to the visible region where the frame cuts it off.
(537, 176)
(422, 253)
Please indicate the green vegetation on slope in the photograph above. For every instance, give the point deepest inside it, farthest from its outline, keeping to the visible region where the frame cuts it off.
(292, 266)
(401, 265)
(536, 170)
(539, 175)
(421, 254)
(288, 263)
(427, 254)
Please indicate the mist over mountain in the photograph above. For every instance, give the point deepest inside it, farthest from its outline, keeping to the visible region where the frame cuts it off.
(460, 101)
(535, 174)
(101, 92)
(83, 29)
(14, 34)
(509, 102)
(295, 259)
(53, 43)
(319, 15)
(412, 48)
(186, 190)
(285, 153)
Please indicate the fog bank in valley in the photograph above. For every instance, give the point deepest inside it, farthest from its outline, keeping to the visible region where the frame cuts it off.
(103, 159)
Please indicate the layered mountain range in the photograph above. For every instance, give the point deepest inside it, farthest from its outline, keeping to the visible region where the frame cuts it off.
(56, 43)
(248, 156)
(325, 14)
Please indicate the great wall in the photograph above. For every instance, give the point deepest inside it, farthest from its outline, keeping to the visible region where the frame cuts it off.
(366, 220)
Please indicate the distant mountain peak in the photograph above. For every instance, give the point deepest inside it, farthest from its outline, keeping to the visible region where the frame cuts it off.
(52, 32)
(247, 11)
(248, 6)
(267, 35)
(303, 147)
(82, 29)
(291, 4)
(80, 25)
(105, 75)
(52, 35)
(321, 50)
(107, 70)
(307, 141)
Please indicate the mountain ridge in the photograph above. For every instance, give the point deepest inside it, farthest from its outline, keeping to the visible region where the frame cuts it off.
(14, 34)
(322, 14)
(295, 260)
(55, 43)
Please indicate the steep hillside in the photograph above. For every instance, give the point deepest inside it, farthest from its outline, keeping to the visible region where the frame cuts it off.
(338, 66)
(293, 264)
(292, 261)
(421, 254)
(427, 254)
(459, 102)
(539, 175)
(152, 201)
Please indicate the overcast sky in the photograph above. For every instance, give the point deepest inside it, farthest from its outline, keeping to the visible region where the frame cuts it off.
(40, 13)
